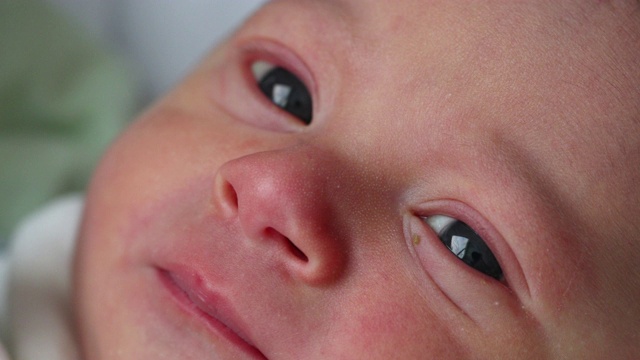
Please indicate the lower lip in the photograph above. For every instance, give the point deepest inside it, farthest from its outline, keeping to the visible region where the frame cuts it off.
(212, 323)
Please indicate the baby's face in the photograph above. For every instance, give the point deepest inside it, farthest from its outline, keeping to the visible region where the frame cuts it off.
(220, 225)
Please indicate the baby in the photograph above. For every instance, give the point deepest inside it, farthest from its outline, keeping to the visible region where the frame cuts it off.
(379, 180)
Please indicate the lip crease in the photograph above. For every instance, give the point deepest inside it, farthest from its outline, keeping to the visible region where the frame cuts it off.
(192, 296)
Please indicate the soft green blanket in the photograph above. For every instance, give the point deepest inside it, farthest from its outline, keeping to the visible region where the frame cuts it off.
(63, 97)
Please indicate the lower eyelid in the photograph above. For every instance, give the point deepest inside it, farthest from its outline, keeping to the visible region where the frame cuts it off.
(422, 240)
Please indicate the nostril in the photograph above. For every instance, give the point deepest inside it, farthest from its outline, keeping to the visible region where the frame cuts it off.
(232, 195)
(297, 252)
(293, 249)
(225, 197)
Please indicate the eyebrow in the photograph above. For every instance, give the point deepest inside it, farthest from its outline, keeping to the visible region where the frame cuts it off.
(529, 182)
(515, 163)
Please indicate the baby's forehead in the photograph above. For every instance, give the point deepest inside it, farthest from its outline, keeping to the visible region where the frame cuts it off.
(560, 80)
(563, 85)
(557, 82)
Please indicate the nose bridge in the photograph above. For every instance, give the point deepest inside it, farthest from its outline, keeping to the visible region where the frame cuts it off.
(283, 200)
(278, 184)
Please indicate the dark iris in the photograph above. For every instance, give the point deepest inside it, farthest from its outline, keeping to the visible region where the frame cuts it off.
(286, 91)
(470, 248)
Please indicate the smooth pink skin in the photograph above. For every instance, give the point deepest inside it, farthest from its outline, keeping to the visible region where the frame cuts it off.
(520, 118)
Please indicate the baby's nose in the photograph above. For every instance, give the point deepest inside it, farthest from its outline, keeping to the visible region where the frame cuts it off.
(283, 200)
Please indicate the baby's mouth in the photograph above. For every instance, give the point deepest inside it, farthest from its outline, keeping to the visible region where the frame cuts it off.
(196, 300)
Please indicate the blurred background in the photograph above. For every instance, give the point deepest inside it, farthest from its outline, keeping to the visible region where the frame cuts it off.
(74, 72)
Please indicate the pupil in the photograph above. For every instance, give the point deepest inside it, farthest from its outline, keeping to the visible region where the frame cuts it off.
(474, 251)
(289, 93)
(475, 256)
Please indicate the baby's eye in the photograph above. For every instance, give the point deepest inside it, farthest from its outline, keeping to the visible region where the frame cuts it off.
(284, 89)
(468, 246)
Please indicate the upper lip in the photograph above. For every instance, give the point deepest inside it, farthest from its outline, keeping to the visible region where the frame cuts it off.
(192, 287)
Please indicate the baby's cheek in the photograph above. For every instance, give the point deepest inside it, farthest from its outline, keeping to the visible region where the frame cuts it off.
(402, 330)
(395, 330)
(398, 314)
(596, 314)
